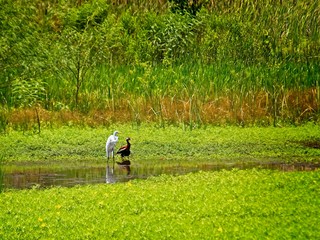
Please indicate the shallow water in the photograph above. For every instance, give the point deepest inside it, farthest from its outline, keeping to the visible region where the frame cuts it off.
(41, 177)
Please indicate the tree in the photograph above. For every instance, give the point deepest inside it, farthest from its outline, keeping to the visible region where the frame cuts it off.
(29, 93)
(81, 45)
(78, 52)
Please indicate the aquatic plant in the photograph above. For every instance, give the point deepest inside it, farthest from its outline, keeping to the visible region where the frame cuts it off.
(225, 205)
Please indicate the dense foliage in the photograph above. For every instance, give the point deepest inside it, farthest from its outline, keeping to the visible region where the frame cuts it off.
(199, 62)
(234, 204)
(170, 146)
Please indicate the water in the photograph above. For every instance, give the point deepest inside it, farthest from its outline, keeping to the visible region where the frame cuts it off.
(28, 177)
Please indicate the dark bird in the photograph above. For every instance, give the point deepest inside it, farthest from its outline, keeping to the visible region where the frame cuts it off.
(124, 151)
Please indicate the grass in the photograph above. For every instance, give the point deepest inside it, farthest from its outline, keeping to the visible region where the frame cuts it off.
(254, 203)
(1, 173)
(168, 145)
(194, 94)
(225, 205)
(231, 63)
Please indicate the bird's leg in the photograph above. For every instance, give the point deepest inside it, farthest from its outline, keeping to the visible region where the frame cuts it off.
(107, 172)
(112, 160)
(107, 169)
(107, 158)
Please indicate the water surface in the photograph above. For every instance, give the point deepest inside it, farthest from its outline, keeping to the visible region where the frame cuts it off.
(40, 176)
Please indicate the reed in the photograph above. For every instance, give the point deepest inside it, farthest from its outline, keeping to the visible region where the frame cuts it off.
(189, 94)
(231, 63)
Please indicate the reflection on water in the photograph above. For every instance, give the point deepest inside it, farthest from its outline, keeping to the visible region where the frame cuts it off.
(47, 177)
(110, 177)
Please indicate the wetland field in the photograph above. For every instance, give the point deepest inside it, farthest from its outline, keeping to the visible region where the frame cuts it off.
(221, 100)
(210, 182)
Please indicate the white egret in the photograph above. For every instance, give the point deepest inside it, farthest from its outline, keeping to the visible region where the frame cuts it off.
(111, 143)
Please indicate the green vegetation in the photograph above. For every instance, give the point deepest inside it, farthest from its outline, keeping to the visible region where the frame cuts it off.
(225, 205)
(175, 76)
(100, 62)
(170, 145)
(1, 173)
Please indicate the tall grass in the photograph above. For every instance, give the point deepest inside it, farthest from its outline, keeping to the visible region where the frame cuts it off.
(209, 93)
(239, 62)
(192, 94)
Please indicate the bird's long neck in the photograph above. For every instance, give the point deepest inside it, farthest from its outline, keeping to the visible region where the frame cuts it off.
(128, 144)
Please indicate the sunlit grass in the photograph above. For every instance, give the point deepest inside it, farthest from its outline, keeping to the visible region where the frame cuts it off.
(152, 144)
(226, 204)
(1, 172)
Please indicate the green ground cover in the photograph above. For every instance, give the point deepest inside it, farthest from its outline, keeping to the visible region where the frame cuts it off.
(170, 145)
(237, 204)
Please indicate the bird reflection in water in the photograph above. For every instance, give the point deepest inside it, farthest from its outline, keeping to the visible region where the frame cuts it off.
(125, 165)
(110, 173)
(110, 145)
(110, 178)
(124, 151)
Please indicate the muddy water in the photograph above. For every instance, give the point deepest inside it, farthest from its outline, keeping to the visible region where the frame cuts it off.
(41, 177)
